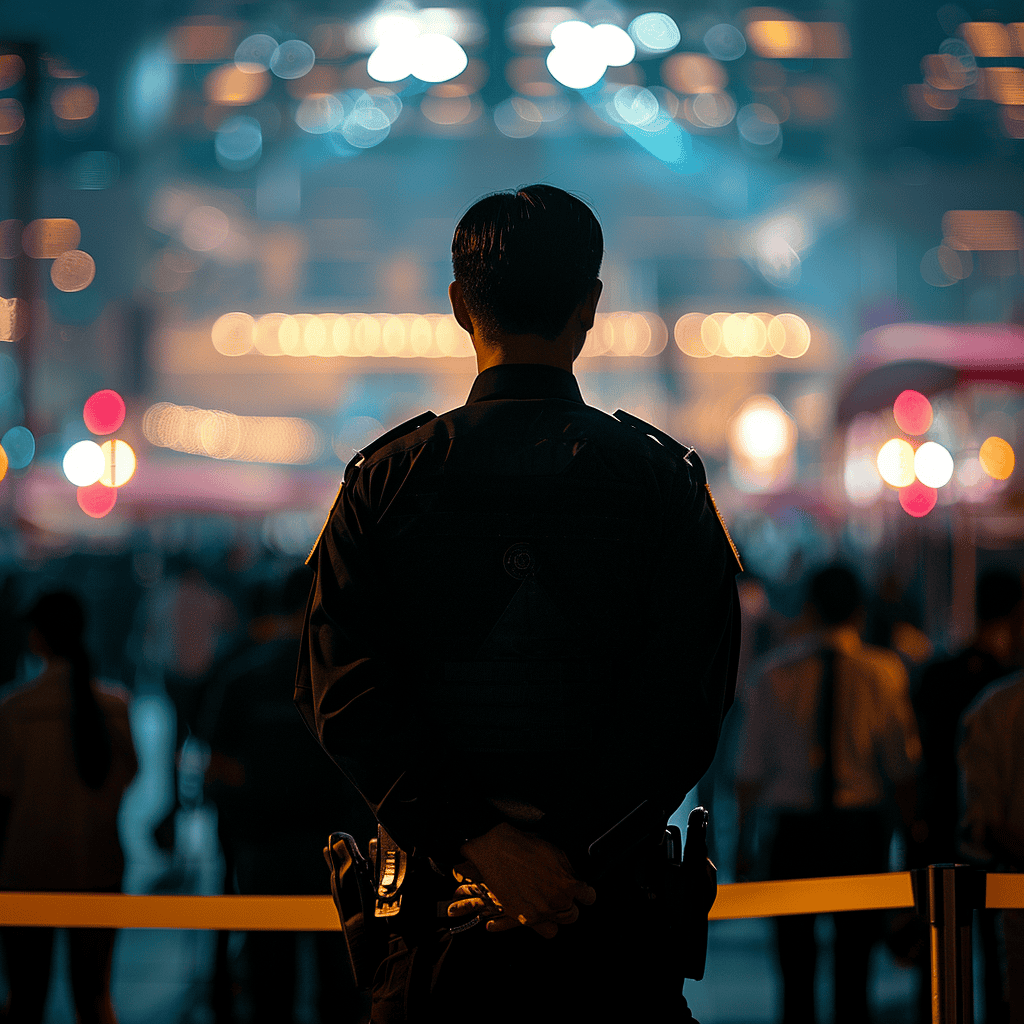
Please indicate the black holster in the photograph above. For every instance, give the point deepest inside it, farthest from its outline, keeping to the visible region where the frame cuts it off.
(354, 888)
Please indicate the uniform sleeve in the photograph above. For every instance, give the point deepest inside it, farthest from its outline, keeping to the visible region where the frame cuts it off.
(355, 692)
(694, 649)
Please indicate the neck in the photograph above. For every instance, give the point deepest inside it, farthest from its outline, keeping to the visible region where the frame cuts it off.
(996, 638)
(523, 349)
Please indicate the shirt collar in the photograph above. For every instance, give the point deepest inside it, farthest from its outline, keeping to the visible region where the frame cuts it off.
(524, 380)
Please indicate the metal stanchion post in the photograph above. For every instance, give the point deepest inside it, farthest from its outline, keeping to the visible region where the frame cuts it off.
(947, 896)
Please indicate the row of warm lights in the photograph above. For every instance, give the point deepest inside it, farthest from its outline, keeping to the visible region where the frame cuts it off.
(223, 435)
(742, 334)
(407, 335)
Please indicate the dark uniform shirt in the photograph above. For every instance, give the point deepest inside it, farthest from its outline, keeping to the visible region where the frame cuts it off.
(520, 604)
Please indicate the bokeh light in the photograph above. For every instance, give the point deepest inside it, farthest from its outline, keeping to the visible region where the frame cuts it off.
(223, 435)
(655, 33)
(75, 102)
(918, 499)
(238, 143)
(232, 86)
(912, 412)
(104, 412)
(12, 119)
(20, 445)
(118, 463)
(762, 430)
(73, 271)
(253, 53)
(725, 42)
(3, 462)
(83, 463)
(319, 113)
(96, 499)
(47, 238)
(233, 334)
(12, 67)
(292, 59)
(996, 457)
(205, 228)
(933, 464)
(895, 462)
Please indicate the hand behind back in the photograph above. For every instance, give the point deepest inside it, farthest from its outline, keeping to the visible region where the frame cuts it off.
(531, 882)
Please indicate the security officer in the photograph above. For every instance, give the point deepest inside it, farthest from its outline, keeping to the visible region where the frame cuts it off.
(524, 625)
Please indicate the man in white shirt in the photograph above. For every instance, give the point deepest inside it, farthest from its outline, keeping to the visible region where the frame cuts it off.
(829, 741)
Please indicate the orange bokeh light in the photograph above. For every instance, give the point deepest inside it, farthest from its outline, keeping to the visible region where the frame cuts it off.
(75, 102)
(47, 238)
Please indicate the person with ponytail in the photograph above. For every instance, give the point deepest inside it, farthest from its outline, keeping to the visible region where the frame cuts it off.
(66, 758)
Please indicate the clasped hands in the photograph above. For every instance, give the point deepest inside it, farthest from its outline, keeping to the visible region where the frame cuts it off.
(513, 879)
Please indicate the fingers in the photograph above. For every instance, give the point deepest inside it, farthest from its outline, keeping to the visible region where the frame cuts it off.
(585, 894)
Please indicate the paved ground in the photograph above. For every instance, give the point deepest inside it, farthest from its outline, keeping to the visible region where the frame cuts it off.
(162, 977)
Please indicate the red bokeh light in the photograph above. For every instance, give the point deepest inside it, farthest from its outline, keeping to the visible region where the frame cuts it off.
(104, 412)
(97, 499)
(918, 499)
(913, 412)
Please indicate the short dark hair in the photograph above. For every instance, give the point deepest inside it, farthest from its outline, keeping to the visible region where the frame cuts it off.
(998, 592)
(526, 259)
(835, 594)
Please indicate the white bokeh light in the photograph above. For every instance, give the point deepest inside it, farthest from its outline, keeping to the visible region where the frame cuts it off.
(576, 68)
(438, 58)
(84, 463)
(655, 33)
(896, 462)
(933, 464)
(614, 45)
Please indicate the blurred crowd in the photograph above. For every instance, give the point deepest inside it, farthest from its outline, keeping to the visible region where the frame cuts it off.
(858, 744)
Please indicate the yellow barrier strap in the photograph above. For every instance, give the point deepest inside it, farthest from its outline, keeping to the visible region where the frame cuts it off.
(1004, 892)
(813, 896)
(317, 913)
(223, 913)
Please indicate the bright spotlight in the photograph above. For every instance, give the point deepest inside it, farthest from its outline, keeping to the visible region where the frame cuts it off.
(84, 463)
(933, 464)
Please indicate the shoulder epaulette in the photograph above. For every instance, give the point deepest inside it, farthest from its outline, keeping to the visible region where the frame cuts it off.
(689, 456)
(360, 457)
(392, 435)
(685, 452)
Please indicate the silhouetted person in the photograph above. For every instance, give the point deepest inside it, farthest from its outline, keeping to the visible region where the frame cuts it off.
(943, 693)
(278, 798)
(524, 624)
(992, 763)
(66, 757)
(829, 733)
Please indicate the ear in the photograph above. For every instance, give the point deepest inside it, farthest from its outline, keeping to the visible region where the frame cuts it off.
(459, 307)
(588, 308)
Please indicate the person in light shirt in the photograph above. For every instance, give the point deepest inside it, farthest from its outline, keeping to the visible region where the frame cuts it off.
(829, 743)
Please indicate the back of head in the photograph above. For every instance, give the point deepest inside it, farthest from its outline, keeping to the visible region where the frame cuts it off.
(835, 594)
(60, 619)
(998, 593)
(526, 259)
